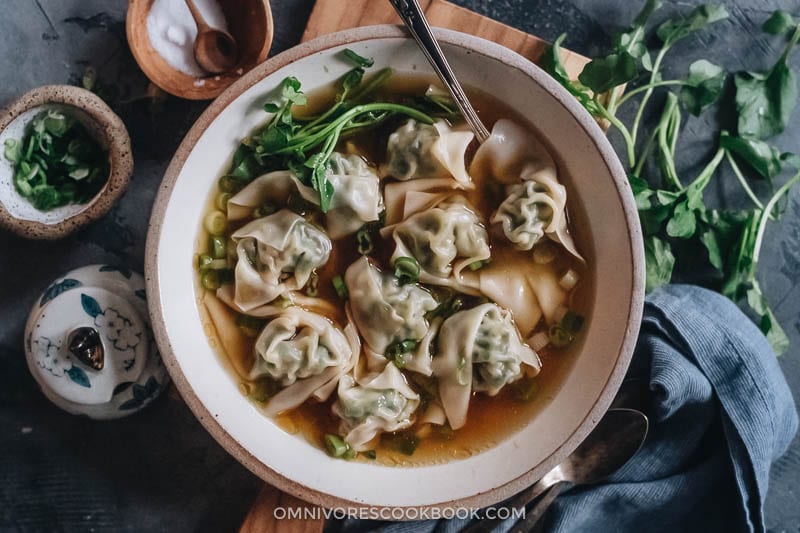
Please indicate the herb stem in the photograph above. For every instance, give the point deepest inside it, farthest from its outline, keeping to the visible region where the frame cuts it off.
(648, 87)
(767, 213)
(704, 177)
(629, 144)
(738, 172)
(645, 153)
(667, 136)
(648, 93)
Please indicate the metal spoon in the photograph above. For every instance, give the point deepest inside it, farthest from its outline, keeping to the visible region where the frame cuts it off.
(414, 19)
(215, 50)
(615, 439)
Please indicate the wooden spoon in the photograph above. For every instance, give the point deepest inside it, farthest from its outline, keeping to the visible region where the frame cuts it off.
(215, 50)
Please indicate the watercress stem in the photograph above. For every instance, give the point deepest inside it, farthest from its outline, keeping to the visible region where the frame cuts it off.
(629, 145)
(740, 176)
(767, 213)
(649, 86)
(704, 177)
(648, 93)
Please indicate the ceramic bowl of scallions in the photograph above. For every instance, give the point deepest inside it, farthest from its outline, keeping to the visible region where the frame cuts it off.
(66, 159)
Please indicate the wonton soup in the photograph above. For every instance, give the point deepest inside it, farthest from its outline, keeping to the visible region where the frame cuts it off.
(382, 285)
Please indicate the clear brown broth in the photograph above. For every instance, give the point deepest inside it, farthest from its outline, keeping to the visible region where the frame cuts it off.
(491, 419)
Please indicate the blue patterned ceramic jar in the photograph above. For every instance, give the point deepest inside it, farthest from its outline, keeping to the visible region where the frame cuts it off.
(89, 345)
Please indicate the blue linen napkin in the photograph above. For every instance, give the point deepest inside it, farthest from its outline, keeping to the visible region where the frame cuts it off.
(720, 412)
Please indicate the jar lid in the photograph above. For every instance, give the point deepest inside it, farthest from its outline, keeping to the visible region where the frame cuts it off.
(89, 345)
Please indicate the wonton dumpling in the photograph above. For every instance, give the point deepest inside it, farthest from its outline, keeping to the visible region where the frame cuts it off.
(356, 195)
(383, 403)
(539, 203)
(418, 150)
(383, 310)
(444, 240)
(273, 187)
(479, 349)
(303, 351)
(277, 254)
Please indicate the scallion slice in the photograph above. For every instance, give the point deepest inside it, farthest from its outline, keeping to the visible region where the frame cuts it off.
(406, 270)
(340, 287)
(216, 222)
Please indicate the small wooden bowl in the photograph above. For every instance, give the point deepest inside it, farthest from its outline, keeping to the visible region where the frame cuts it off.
(16, 213)
(250, 23)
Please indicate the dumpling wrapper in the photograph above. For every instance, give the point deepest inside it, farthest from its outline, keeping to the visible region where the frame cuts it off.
(383, 310)
(459, 351)
(377, 403)
(513, 155)
(444, 240)
(306, 353)
(419, 151)
(276, 255)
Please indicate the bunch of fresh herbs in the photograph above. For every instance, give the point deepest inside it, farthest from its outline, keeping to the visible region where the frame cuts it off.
(57, 162)
(305, 144)
(675, 219)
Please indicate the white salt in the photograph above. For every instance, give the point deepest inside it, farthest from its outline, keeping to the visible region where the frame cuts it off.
(172, 31)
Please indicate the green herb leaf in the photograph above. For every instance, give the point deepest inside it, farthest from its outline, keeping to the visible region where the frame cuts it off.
(642, 192)
(551, 62)
(357, 59)
(767, 322)
(683, 223)
(765, 102)
(603, 74)
(703, 86)
(673, 30)
(761, 156)
(659, 262)
(779, 23)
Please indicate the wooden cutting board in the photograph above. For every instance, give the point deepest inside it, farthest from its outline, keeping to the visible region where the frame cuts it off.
(330, 16)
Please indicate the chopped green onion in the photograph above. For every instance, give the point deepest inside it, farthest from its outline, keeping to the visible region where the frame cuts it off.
(340, 288)
(370, 454)
(406, 270)
(358, 60)
(364, 240)
(217, 247)
(477, 265)
(210, 280)
(250, 325)
(222, 201)
(226, 276)
(312, 289)
(216, 222)
(396, 351)
(206, 262)
(230, 184)
(559, 337)
(265, 209)
(525, 389)
(264, 389)
(337, 447)
(448, 307)
(572, 322)
(405, 443)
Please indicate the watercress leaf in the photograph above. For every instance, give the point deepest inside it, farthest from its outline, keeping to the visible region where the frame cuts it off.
(683, 223)
(676, 29)
(659, 262)
(779, 23)
(652, 219)
(764, 102)
(709, 239)
(641, 192)
(767, 322)
(764, 158)
(271, 107)
(631, 42)
(665, 197)
(603, 74)
(551, 62)
(357, 59)
(352, 79)
(12, 150)
(316, 160)
(703, 86)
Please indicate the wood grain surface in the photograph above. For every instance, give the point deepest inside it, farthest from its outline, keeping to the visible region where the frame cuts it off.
(262, 517)
(328, 16)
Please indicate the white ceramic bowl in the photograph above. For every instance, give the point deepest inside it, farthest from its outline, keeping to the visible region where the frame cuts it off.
(609, 236)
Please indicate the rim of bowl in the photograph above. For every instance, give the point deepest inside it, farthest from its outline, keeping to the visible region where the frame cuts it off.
(120, 158)
(478, 46)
